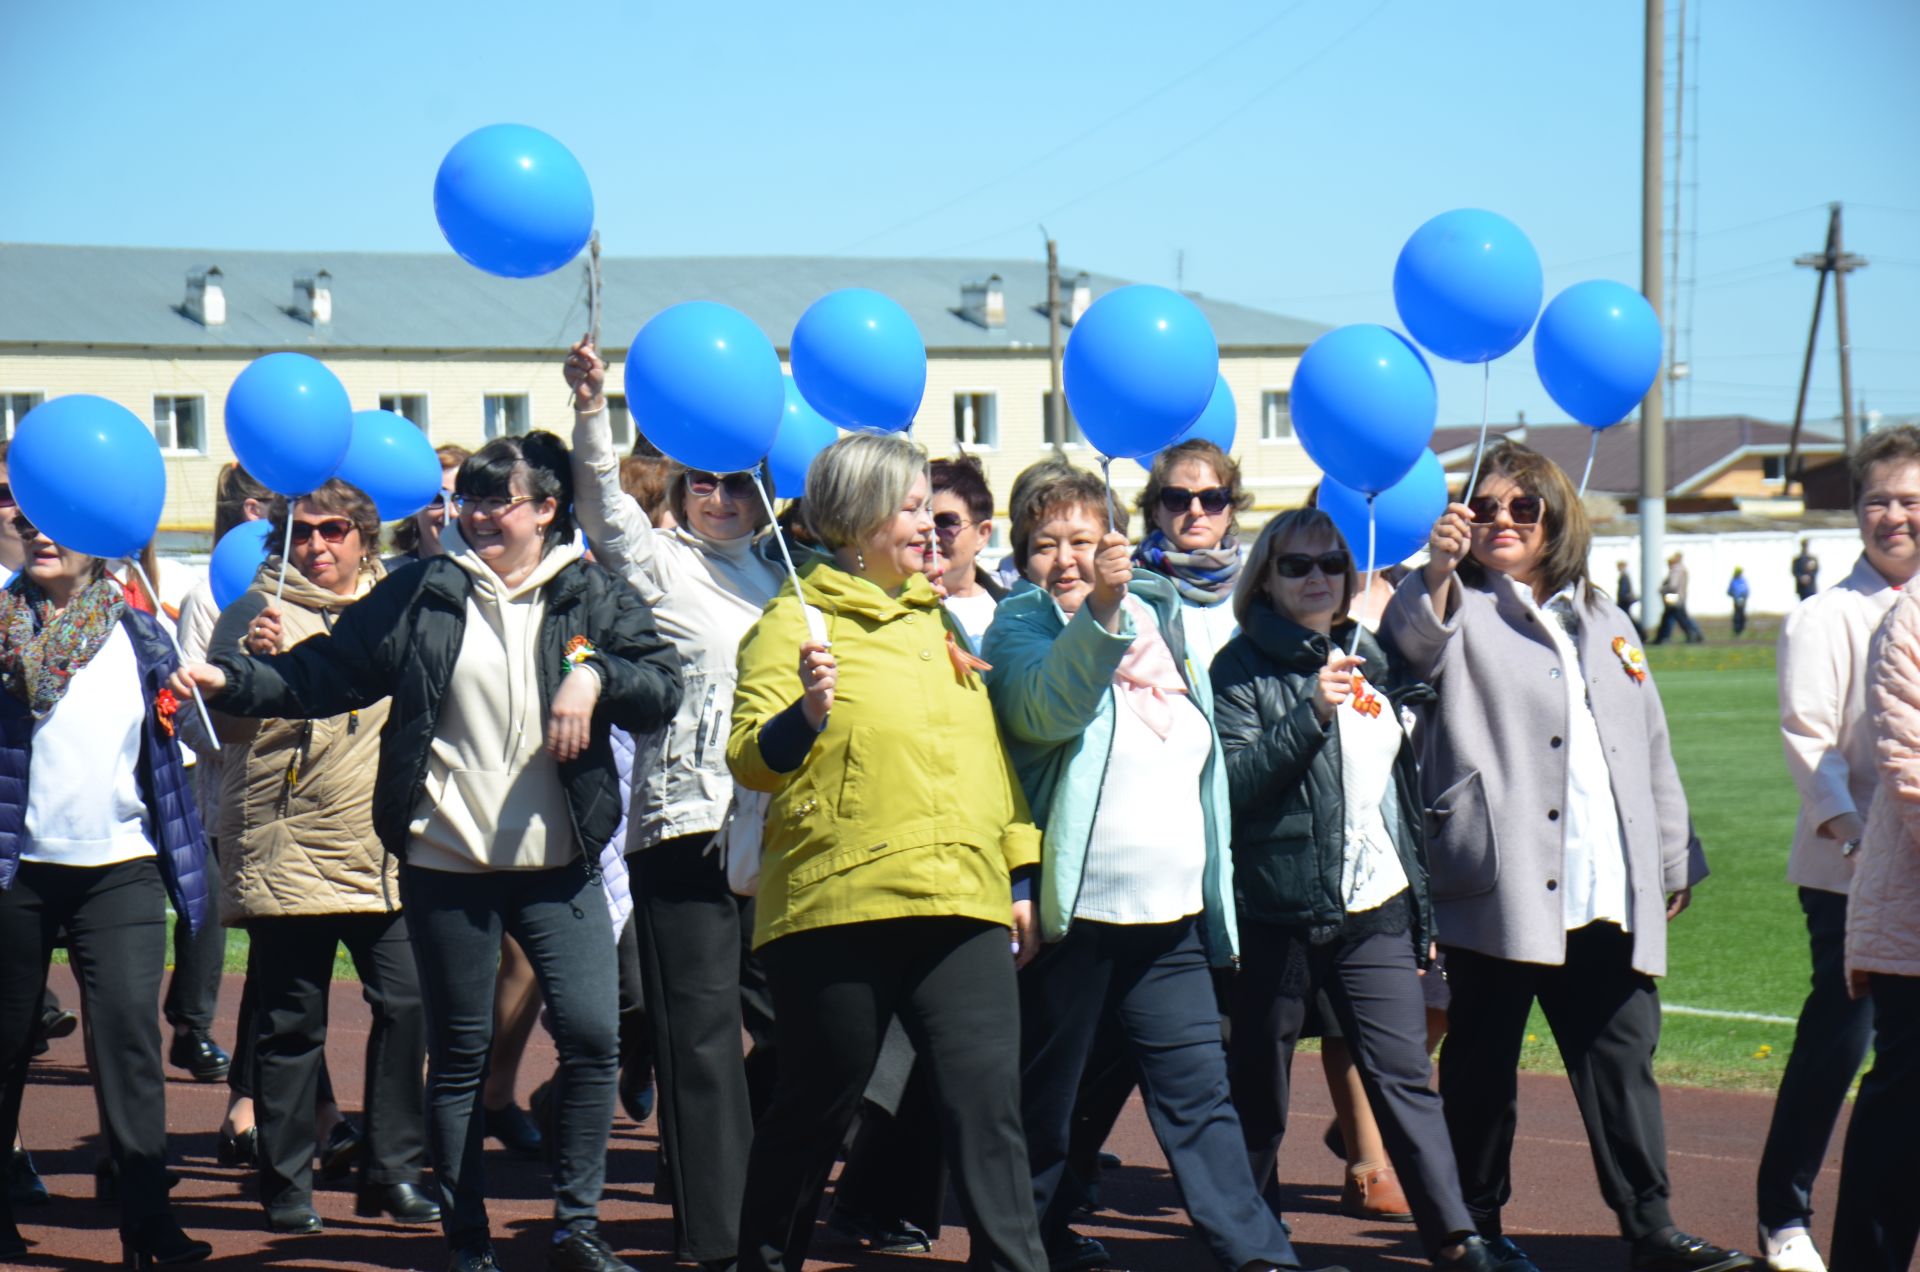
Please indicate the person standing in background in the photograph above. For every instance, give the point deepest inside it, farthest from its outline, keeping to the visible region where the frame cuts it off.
(1806, 571)
(1624, 596)
(962, 525)
(1673, 598)
(1826, 725)
(1739, 589)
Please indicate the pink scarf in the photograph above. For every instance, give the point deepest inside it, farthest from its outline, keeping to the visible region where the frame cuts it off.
(1147, 676)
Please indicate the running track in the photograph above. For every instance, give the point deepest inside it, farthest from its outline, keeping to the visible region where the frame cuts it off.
(1713, 1137)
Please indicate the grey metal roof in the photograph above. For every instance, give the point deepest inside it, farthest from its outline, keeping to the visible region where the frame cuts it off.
(1698, 449)
(132, 296)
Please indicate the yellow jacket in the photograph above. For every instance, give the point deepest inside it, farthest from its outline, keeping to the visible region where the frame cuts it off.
(906, 804)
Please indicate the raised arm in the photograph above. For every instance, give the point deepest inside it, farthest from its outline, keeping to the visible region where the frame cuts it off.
(1048, 688)
(613, 521)
(353, 666)
(1264, 755)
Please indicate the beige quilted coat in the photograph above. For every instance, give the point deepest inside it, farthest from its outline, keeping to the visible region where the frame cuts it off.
(296, 807)
(1883, 910)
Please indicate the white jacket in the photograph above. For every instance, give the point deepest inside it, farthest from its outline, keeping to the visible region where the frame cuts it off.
(705, 594)
(1823, 717)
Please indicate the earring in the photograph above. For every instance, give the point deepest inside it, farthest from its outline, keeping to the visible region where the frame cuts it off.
(859, 560)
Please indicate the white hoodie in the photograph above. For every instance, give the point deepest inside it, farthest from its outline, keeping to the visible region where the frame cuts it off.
(494, 800)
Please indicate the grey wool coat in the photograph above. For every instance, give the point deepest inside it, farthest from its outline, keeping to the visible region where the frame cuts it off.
(1494, 769)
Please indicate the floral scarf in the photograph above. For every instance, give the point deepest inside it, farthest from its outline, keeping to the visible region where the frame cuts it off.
(40, 650)
(1205, 577)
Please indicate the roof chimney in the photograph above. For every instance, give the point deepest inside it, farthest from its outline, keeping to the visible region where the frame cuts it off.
(206, 300)
(984, 304)
(1082, 298)
(313, 298)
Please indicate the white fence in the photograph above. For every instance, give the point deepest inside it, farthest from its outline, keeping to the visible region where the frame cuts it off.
(1766, 555)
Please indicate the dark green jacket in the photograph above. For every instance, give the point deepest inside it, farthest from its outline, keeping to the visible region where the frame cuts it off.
(1283, 774)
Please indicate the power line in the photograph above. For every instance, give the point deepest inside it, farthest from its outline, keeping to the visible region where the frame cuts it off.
(1235, 47)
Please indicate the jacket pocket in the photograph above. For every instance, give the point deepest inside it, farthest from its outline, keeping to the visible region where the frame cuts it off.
(852, 801)
(1463, 854)
(851, 857)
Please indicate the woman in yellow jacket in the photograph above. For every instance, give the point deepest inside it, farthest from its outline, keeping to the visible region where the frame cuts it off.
(894, 826)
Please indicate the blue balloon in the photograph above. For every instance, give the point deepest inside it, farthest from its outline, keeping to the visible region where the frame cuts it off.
(1140, 366)
(513, 201)
(1363, 405)
(88, 474)
(1216, 424)
(1598, 351)
(704, 385)
(1468, 285)
(237, 559)
(289, 422)
(1403, 514)
(804, 433)
(393, 462)
(860, 361)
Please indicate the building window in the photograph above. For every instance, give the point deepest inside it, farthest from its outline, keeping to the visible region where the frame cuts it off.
(1773, 467)
(619, 422)
(411, 407)
(1276, 416)
(180, 423)
(508, 415)
(1074, 436)
(976, 420)
(14, 408)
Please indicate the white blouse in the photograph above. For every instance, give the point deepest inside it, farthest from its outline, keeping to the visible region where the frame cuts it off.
(1594, 884)
(1370, 871)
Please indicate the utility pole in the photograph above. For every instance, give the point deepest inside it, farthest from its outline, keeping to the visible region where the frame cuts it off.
(1056, 400)
(1653, 422)
(1838, 262)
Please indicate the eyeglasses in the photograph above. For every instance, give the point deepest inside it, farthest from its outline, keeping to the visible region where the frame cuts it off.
(6, 495)
(1522, 510)
(737, 485)
(1297, 565)
(1214, 500)
(492, 506)
(949, 524)
(333, 531)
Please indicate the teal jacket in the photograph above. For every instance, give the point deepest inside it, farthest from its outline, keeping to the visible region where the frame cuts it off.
(1052, 687)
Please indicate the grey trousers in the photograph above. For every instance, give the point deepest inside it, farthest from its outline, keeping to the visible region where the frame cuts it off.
(561, 921)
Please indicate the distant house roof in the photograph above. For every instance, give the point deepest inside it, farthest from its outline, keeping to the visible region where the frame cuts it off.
(1698, 450)
(133, 296)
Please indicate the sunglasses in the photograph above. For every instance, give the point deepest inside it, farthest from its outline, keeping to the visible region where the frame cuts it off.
(1214, 500)
(1297, 565)
(948, 524)
(490, 505)
(737, 485)
(332, 531)
(1522, 510)
(6, 495)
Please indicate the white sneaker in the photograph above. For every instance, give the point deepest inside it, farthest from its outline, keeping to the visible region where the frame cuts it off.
(1791, 1250)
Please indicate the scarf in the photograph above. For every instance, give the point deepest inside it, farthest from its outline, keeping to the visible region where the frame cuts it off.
(40, 650)
(1204, 577)
(1146, 676)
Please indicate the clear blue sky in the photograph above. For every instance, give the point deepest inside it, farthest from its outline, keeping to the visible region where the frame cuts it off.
(1288, 148)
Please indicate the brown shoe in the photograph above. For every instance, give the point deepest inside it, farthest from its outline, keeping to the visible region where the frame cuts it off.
(1375, 1194)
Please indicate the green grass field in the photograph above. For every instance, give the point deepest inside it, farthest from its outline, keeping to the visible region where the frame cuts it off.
(1741, 947)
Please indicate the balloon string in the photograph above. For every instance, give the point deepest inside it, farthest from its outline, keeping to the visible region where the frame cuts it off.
(286, 556)
(1366, 597)
(1593, 447)
(1106, 475)
(174, 639)
(1480, 449)
(815, 628)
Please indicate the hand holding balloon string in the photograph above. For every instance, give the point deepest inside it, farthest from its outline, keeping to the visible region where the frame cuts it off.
(587, 376)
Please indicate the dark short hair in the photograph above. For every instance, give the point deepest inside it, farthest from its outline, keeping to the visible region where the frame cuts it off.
(1064, 490)
(1199, 450)
(963, 479)
(541, 457)
(1898, 444)
(337, 497)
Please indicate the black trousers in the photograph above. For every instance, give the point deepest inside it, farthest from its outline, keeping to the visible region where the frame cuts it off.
(116, 934)
(688, 923)
(241, 1073)
(895, 1167)
(1672, 614)
(561, 921)
(1605, 1018)
(1876, 1223)
(636, 1028)
(1154, 978)
(194, 987)
(295, 973)
(1829, 1046)
(834, 991)
(1739, 616)
(1374, 987)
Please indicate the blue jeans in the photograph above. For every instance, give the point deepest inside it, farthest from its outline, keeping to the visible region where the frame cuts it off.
(560, 920)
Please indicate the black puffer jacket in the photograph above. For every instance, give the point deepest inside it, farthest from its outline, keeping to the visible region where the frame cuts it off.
(1283, 774)
(401, 641)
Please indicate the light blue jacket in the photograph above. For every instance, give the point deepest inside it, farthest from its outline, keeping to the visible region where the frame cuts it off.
(1052, 688)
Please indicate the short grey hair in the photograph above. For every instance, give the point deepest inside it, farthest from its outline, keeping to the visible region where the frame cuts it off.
(856, 484)
(1297, 523)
